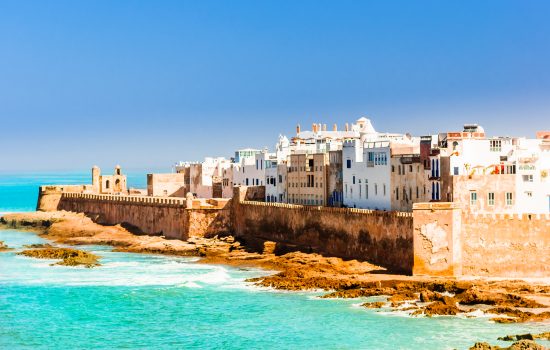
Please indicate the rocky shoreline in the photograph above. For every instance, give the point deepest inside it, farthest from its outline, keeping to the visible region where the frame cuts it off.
(506, 301)
(66, 256)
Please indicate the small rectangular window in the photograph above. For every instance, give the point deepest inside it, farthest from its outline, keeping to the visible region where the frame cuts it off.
(473, 198)
(348, 163)
(495, 145)
(491, 198)
(509, 198)
(527, 178)
(455, 170)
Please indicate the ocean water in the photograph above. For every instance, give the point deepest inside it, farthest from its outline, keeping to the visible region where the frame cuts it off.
(141, 301)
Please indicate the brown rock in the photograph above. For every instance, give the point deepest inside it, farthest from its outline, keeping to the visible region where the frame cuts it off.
(68, 256)
(427, 296)
(476, 296)
(440, 308)
(4, 247)
(528, 336)
(515, 315)
(269, 247)
(484, 346)
(520, 345)
(374, 305)
(526, 345)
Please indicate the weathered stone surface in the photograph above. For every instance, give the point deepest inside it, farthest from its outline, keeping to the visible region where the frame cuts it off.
(68, 256)
(439, 308)
(383, 238)
(374, 305)
(475, 296)
(516, 315)
(453, 242)
(3, 246)
(520, 345)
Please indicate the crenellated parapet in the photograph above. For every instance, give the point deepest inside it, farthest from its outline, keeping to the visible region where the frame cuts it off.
(136, 200)
(343, 211)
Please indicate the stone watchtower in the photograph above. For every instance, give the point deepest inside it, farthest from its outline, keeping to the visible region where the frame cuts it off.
(96, 179)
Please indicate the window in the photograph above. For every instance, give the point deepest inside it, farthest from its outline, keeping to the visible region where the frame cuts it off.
(393, 168)
(410, 168)
(529, 194)
(495, 145)
(473, 198)
(455, 145)
(491, 198)
(455, 170)
(310, 181)
(417, 192)
(527, 178)
(370, 156)
(384, 187)
(367, 191)
(348, 163)
(509, 198)
(353, 180)
(397, 193)
(376, 189)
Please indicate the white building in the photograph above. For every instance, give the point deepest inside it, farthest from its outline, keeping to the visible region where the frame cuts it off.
(492, 174)
(370, 180)
(252, 169)
(205, 178)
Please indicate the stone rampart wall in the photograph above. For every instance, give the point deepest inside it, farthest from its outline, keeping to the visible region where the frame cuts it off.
(153, 216)
(383, 238)
(506, 245)
(451, 242)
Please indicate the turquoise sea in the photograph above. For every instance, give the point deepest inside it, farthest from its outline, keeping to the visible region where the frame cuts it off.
(139, 301)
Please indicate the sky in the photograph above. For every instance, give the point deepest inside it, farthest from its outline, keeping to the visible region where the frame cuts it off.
(147, 83)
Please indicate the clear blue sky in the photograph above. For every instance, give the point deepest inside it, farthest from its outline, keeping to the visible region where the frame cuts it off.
(148, 83)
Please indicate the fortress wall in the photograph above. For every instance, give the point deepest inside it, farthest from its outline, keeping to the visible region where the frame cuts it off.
(153, 216)
(506, 245)
(383, 238)
(450, 242)
(49, 196)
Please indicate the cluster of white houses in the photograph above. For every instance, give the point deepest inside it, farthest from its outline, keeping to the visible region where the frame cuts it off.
(360, 167)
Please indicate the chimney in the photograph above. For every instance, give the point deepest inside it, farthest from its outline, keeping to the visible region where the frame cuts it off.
(347, 127)
(314, 127)
(335, 127)
(298, 129)
(324, 127)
